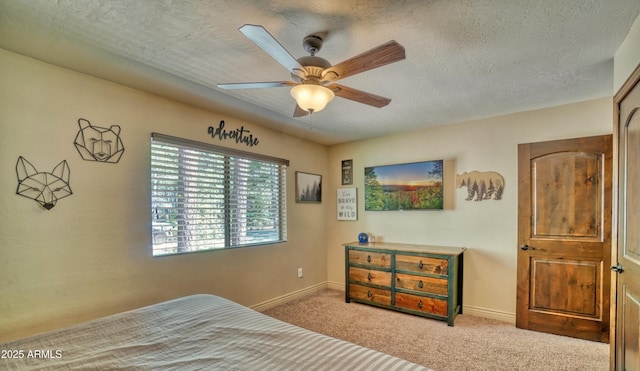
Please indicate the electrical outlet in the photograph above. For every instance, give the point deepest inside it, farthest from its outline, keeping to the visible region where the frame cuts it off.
(299, 272)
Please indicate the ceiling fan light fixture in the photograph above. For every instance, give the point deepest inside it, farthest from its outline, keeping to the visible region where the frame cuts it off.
(311, 97)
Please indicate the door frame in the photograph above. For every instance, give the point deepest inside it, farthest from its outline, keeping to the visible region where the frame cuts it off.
(624, 90)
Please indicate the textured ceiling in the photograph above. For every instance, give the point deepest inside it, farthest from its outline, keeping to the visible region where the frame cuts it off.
(466, 59)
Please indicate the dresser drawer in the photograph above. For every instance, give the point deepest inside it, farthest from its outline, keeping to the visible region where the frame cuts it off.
(371, 276)
(421, 304)
(421, 264)
(371, 294)
(371, 259)
(425, 284)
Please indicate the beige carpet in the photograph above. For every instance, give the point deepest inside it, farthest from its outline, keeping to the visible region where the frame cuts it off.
(474, 343)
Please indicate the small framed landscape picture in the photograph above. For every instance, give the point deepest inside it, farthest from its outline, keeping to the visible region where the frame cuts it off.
(308, 187)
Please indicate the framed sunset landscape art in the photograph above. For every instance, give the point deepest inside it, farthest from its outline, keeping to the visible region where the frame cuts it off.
(410, 186)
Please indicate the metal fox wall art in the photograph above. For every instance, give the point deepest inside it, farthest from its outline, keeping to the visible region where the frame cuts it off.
(45, 188)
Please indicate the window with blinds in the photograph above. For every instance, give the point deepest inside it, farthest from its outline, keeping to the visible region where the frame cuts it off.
(206, 197)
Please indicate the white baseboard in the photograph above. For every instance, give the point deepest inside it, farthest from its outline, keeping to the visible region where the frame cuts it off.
(489, 313)
(340, 286)
(470, 310)
(261, 307)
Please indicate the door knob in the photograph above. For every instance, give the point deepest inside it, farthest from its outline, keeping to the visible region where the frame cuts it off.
(617, 268)
(524, 247)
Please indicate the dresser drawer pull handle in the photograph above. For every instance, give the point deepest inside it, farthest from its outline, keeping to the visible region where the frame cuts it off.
(368, 258)
(369, 294)
(420, 284)
(420, 304)
(369, 276)
(420, 264)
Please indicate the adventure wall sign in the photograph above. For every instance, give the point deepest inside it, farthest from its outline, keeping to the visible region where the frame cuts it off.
(240, 135)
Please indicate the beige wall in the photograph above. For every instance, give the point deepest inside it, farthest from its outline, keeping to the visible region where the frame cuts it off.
(89, 255)
(487, 228)
(627, 57)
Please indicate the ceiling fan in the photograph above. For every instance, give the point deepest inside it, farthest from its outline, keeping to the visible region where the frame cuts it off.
(314, 77)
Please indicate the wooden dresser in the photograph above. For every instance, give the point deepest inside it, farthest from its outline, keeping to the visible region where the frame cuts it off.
(417, 279)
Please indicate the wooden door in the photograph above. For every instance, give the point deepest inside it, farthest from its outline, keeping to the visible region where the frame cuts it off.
(627, 132)
(564, 237)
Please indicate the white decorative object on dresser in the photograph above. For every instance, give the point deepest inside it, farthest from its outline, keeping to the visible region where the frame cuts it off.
(417, 279)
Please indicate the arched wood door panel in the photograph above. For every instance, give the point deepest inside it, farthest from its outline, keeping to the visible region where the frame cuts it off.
(564, 235)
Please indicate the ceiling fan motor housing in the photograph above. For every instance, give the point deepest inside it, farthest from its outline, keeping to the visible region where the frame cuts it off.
(314, 66)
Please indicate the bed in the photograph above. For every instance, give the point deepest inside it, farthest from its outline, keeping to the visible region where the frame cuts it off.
(194, 332)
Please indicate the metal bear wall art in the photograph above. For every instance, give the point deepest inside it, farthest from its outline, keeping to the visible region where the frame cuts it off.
(95, 143)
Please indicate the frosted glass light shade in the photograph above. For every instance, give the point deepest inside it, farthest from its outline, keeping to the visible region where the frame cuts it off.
(312, 98)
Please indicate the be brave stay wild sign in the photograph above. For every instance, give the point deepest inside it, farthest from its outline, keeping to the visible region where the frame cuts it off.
(347, 204)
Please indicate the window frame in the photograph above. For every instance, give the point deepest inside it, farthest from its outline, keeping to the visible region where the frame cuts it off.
(232, 158)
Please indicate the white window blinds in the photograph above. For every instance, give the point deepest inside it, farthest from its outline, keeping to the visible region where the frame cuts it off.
(207, 197)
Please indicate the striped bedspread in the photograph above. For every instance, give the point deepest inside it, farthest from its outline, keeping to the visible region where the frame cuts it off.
(202, 332)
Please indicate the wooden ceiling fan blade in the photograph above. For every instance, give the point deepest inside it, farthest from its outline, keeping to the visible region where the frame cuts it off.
(359, 96)
(299, 112)
(256, 85)
(379, 56)
(261, 37)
